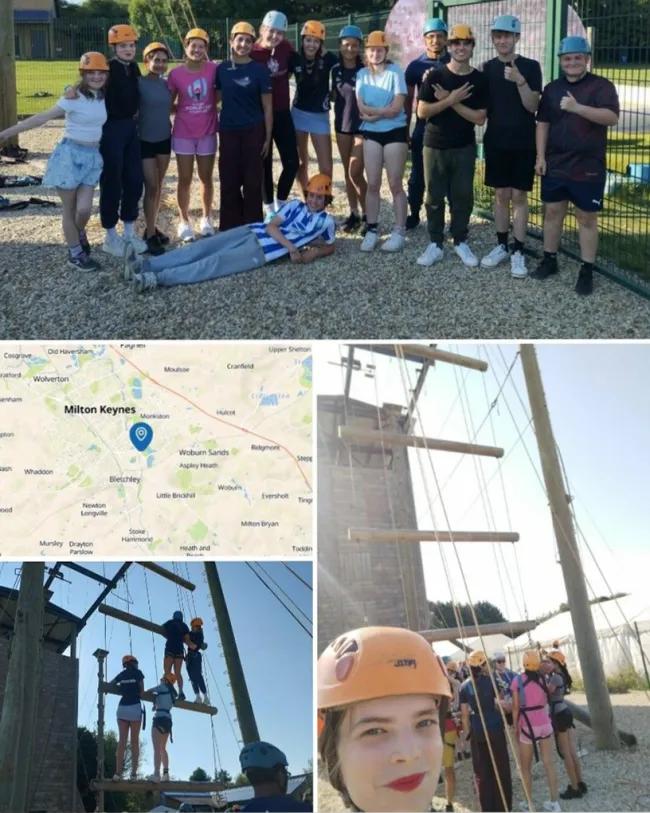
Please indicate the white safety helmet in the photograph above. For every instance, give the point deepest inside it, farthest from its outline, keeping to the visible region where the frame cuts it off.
(276, 19)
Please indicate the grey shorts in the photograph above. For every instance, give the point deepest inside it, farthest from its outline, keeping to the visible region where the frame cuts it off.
(132, 713)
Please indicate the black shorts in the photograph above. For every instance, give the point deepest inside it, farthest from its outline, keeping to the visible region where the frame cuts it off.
(150, 149)
(397, 136)
(163, 724)
(509, 169)
(177, 656)
(586, 195)
(563, 720)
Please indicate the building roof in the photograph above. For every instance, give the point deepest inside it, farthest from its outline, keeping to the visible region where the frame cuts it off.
(59, 625)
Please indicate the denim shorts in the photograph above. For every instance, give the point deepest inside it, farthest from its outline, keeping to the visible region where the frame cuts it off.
(306, 122)
(72, 165)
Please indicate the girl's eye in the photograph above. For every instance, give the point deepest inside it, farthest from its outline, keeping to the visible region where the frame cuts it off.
(372, 732)
(427, 722)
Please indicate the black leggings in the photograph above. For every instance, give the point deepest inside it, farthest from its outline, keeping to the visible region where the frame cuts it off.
(284, 136)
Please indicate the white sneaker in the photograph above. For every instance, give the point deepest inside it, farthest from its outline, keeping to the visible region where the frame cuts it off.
(139, 245)
(114, 245)
(132, 262)
(552, 807)
(116, 777)
(184, 232)
(206, 700)
(499, 254)
(395, 242)
(145, 281)
(198, 698)
(369, 242)
(432, 254)
(518, 265)
(153, 777)
(206, 227)
(466, 255)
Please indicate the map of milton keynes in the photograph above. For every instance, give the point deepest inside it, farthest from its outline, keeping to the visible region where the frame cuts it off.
(113, 449)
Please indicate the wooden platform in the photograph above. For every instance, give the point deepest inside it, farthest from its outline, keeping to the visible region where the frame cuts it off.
(411, 535)
(179, 704)
(469, 630)
(143, 785)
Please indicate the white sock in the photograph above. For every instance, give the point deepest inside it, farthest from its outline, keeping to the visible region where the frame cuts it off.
(111, 234)
(279, 204)
(269, 207)
(129, 229)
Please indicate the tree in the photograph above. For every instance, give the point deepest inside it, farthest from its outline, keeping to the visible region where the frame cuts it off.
(199, 775)
(443, 615)
(241, 780)
(224, 777)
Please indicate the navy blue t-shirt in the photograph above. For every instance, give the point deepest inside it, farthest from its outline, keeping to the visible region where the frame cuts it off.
(175, 632)
(416, 70)
(346, 109)
(128, 682)
(491, 713)
(313, 82)
(241, 89)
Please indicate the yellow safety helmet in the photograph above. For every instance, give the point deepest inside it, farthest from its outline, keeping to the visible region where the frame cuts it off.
(376, 39)
(320, 184)
(532, 660)
(93, 61)
(155, 46)
(461, 31)
(313, 28)
(477, 658)
(242, 28)
(197, 34)
(122, 33)
(196, 622)
(557, 656)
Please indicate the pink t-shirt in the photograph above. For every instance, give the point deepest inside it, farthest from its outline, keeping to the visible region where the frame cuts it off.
(196, 115)
(532, 695)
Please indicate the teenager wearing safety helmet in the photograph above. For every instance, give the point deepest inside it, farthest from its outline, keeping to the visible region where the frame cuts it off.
(515, 84)
(165, 695)
(76, 162)
(177, 635)
(532, 722)
(195, 130)
(246, 124)
(483, 724)
(194, 661)
(130, 684)
(435, 55)
(311, 103)
(574, 114)
(302, 230)
(380, 691)
(274, 50)
(347, 124)
(265, 767)
(453, 99)
(155, 130)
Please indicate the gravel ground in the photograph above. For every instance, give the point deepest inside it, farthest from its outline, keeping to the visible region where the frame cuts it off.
(349, 295)
(616, 781)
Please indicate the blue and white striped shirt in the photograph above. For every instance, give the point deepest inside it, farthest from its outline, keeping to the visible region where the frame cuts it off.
(299, 225)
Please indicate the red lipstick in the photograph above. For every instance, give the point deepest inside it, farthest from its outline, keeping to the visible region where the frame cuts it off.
(407, 783)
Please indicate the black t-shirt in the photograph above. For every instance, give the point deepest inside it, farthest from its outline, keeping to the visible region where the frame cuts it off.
(175, 632)
(448, 129)
(128, 682)
(122, 93)
(313, 82)
(346, 110)
(576, 147)
(509, 125)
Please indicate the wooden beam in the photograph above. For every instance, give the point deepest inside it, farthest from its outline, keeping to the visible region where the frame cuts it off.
(144, 785)
(167, 574)
(505, 628)
(130, 619)
(108, 688)
(422, 352)
(375, 439)
(402, 535)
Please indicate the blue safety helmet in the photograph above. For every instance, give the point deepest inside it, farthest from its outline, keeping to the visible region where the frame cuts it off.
(434, 24)
(574, 45)
(351, 31)
(261, 755)
(178, 616)
(506, 22)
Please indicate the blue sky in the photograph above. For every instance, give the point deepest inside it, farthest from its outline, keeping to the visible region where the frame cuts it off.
(599, 399)
(276, 655)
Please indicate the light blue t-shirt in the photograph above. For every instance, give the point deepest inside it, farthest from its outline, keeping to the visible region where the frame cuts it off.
(379, 90)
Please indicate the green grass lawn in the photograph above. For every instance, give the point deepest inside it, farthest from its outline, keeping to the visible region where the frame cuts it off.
(42, 77)
(625, 74)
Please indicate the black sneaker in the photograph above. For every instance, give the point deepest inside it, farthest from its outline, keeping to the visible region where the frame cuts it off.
(582, 788)
(83, 262)
(449, 808)
(412, 221)
(351, 223)
(364, 226)
(546, 268)
(585, 283)
(164, 240)
(181, 696)
(83, 242)
(571, 793)
(155, 246)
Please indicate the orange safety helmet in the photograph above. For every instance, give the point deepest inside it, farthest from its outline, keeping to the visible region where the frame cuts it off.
(155, 46)
(376, 39)
(93, 61)
(477, 658)
(313, 28)
(557, 656)
(197, 34)
(242, 28)
(122, 33)
(196, 622)
(460, 31)
(320, 184)
(532, 660)
(372, 662)
(128, 658)
(170, 677)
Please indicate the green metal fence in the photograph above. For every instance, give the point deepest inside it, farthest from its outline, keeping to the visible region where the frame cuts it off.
(620, 37)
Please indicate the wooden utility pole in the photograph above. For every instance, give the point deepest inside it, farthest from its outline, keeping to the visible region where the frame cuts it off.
(18, 723)
(101, 655)
(8, 111)
(593, 673)
(243, 705)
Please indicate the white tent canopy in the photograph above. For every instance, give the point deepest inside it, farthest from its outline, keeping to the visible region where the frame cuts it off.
(491, 644)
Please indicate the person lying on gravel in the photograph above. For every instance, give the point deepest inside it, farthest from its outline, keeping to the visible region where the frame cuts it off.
(304, 231)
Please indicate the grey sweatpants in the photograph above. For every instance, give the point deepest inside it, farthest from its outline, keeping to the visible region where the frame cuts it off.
(449, 174)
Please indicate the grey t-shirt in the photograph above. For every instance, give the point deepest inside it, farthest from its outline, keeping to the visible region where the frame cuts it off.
(557, 691)
(155, 107)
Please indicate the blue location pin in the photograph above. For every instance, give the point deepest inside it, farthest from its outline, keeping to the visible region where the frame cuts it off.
(141, 435)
